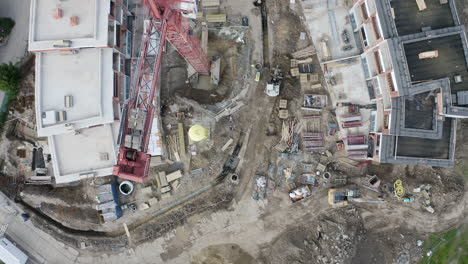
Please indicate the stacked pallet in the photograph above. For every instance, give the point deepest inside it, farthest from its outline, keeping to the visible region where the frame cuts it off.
(351, 121)
(312, 137)
(313, 141)
(356, 147)
(304, 53)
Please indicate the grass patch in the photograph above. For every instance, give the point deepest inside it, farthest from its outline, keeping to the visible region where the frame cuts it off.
(10, 81)
(450, 247)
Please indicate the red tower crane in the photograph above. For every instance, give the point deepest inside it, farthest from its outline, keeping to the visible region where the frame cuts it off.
(166, 21)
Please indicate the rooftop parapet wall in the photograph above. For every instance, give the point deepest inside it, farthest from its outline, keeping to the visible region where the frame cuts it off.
(51, 32)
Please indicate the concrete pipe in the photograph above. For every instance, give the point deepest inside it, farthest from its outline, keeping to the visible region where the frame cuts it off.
(326, 176)
(126, 187)
(234, 178)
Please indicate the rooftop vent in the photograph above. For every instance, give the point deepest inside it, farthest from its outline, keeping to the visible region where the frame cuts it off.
(74, 21)
(57, 13)
(103, 156)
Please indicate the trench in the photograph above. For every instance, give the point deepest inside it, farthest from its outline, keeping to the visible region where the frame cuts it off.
(266, 46)
(58, 225)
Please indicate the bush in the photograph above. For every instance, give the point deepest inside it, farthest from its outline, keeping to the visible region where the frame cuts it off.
(10, 79)
(6, 25)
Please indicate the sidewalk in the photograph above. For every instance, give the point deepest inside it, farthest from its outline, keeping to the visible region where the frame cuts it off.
(16, 47)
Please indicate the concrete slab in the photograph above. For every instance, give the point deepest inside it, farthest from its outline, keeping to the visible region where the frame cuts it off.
(327, 20)
(86, 76)
(351, 84)
(91, 153)
(91, 31)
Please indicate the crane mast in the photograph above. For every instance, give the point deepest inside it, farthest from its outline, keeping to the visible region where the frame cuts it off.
(165, 22)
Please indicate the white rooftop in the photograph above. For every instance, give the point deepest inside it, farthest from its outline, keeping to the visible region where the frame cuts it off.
(91, 31)
(85, 78)
(90, 153)
(10, 254)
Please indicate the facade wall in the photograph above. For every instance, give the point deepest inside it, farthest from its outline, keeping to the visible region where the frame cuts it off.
(117, 22)
(373, 21)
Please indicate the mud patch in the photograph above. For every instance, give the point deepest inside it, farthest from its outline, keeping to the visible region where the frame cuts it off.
(223, 254)
(330, 238)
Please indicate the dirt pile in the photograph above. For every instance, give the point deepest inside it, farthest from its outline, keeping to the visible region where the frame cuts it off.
(223, 254)
(329, 239)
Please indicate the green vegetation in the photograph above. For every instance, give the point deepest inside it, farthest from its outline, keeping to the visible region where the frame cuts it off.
(450, 247)
(6, 25)
(10, 79)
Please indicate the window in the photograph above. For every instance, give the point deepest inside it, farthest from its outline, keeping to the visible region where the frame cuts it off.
(377, 144)
(376, 27)
(116, 84)
(366, 68)
(353, 21)
(386, 120)
(377, 61)
(364, 37)
(118, 39)
(364, 11)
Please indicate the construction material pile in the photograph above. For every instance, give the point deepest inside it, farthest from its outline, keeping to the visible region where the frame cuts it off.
(289, 137)
(312, 135)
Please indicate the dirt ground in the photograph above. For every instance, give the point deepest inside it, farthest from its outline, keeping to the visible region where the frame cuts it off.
(225, 225)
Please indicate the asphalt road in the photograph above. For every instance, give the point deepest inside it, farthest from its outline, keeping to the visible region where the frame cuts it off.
(16, 47)
(39, 246)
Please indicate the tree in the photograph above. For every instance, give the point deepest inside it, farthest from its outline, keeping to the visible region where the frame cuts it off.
(6, 25)
(10, 78)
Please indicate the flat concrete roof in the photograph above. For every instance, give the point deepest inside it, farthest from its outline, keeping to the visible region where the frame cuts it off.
(86, 76)
(451, 60)
(409, 19)
(91, 31)
(90, 153)
(426, 147)
(419, 111)
(421, 151)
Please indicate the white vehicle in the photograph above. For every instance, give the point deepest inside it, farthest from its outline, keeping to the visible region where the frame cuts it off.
(9, 253)
(273, 86)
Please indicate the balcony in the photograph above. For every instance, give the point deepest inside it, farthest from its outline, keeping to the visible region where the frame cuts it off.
(111, 34)
(127, 38)
(364, 11)
(368, 35)
(365, 67)
(118, 62)
(386, 120)
(124, 87)
(370, 5)
(371, 64)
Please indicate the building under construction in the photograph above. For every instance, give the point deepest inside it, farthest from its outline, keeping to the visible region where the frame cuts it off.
(415, 61)
(83, 51)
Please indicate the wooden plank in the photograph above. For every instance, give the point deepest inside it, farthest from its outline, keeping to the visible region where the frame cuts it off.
(180, 128)
(162, 178)
(421, 4)
(294, 72)
(428, 54)
(314, 77)
(204, 37)
(307, 52)
(216, 18)
(210, 3)
(174, 176)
